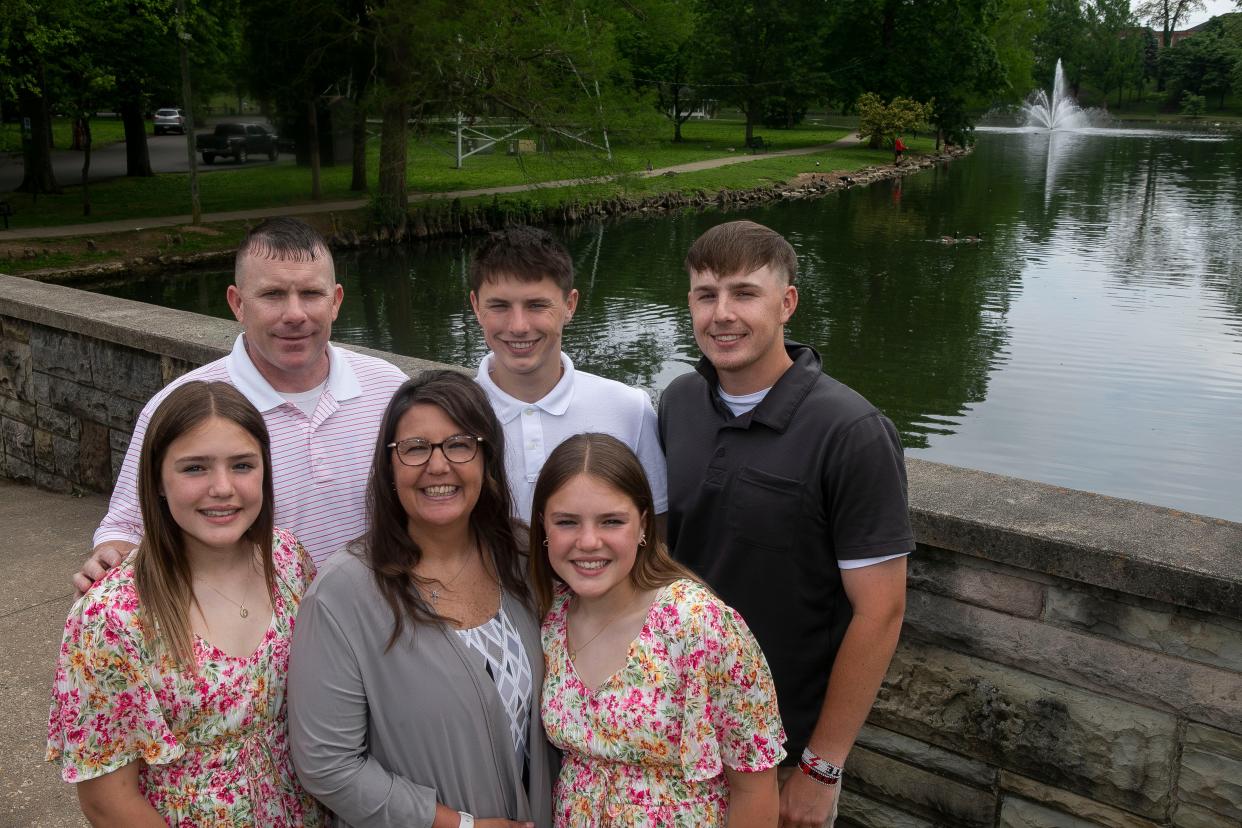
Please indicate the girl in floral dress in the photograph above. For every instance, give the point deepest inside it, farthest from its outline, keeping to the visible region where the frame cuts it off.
(169, 700)
(654, 689)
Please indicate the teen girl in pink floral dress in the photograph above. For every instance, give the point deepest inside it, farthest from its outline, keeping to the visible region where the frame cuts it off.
(654, 689)
(169, 700)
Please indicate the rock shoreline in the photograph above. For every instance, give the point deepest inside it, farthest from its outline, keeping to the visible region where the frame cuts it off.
(439, 220)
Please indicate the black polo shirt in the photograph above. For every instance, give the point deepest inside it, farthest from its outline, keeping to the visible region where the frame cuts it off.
(762, 507)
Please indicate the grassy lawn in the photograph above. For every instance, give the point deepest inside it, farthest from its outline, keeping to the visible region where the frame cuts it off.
(430, 170)
(103, 132)
(59, 253)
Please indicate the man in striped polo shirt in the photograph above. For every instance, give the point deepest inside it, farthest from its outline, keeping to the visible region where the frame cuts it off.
(322, 404)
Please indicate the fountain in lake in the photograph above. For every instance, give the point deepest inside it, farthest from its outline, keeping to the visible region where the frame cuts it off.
(1062, 112)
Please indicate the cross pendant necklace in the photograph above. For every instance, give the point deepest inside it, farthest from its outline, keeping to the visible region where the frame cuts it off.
(434, 594)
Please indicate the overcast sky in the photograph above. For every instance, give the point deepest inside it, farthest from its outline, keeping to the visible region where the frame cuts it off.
(1214, 7)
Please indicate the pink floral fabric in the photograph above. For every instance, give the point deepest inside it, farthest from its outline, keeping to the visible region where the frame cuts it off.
(649, 746)
(213, 746)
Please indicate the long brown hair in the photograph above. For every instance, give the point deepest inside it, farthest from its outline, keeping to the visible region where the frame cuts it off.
(610, 461)
(162, 573)
(388, 547)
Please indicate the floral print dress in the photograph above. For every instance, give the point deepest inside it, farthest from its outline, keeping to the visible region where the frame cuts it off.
(649, 746)
(214, 746)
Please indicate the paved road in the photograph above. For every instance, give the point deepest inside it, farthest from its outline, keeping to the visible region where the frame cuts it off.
(47, 536)
(167, 156)
(102, 227)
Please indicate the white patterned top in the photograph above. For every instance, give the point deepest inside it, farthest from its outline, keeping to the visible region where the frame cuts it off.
(499, 643)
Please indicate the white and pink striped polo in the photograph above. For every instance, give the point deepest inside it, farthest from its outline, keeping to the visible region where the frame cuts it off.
(319, 463)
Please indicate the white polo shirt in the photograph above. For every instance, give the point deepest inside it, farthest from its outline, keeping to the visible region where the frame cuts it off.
(320, 463)
(579, 403)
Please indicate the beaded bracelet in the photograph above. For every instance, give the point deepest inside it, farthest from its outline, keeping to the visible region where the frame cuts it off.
(819, 769)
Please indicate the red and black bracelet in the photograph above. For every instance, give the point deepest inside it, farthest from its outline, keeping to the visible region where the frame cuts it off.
(819, 769)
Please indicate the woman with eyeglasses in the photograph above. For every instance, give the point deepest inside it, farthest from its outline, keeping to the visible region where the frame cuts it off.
(416, 663)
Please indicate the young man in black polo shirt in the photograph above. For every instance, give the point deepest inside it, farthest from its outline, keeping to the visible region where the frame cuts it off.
(787, 494)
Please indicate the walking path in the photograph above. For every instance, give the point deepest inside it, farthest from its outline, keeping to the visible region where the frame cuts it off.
(46, 539)
(101, 227)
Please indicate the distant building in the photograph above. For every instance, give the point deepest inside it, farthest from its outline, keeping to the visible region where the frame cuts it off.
(1179, 35)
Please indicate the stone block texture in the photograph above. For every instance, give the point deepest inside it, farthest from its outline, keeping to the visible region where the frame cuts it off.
(1094, 745)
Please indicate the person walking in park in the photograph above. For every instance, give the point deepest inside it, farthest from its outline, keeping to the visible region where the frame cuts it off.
(787, 495)
(899, 150)
(322, 404)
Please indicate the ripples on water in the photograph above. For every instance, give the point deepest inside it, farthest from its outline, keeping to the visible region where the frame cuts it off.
(1092, 339)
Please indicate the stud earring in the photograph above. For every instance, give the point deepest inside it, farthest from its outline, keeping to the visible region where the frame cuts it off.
(545, 541)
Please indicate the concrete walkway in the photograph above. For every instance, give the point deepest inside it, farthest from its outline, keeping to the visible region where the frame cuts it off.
(46, 538)
(102, 227)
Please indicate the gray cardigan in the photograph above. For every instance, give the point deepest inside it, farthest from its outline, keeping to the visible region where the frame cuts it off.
(380, 737)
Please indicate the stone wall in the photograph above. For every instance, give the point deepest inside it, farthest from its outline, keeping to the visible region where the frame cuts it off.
(77, 367)
(1069, 660)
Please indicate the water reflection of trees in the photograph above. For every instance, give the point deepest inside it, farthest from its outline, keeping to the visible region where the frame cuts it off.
(1164, 207)
(914, 324)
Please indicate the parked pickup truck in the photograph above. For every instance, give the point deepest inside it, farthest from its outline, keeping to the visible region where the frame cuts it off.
(238, 141)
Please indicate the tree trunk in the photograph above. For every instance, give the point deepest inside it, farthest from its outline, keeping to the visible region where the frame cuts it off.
(84, 124)
(312, 132)
(750, 122)
(137, 158)
(676, 93)
(36, 148)
(393, 198)
(359, 181)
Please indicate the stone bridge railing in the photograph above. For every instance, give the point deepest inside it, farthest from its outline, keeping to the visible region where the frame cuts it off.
(1069, 660)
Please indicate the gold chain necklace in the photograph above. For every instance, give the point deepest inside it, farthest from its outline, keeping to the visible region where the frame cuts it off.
(241, 608)
(573, 653)
(434, 594)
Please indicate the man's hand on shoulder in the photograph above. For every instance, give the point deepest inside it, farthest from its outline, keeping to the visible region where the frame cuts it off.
(105, 556)
(806, 803)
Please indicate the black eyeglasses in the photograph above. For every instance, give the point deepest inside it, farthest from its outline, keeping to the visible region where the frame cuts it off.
(460, 448)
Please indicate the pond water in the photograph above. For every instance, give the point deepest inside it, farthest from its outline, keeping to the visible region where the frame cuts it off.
(1091, 338)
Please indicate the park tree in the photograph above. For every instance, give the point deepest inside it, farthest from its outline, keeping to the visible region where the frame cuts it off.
(553, 65)
(1014, 32)
(301, 56)
(1203, 64)
(764, 56)
(31, 38)
(933, 50)
(1114, 54)
(1166, 15)
(1064, 36)
(881, 123)
(659, 44)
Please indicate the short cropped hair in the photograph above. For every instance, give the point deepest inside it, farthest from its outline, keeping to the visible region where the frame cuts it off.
(283, 239)
(742, 247)
(528, 254)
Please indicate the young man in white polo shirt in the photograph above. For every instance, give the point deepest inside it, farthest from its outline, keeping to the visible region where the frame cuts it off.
(522, 292)
(322, 404)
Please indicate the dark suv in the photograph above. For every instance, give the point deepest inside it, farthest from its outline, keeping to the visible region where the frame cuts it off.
(238, 141)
